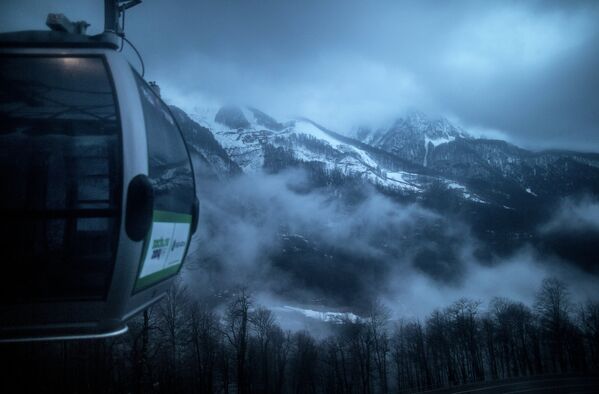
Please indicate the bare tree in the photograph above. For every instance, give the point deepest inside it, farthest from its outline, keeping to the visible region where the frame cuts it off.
(204, 331)
(236, 332)
(171, 323)
(515, 337)
(463, 316)
(186, 346)
(263, 323)
(377, 322)
(589, 321)
(552, 307)
(140, 329)
(440, 348)
(304, 363)
(281, 347)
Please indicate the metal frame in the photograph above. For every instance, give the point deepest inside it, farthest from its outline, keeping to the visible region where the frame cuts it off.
(109, 334)
(113, 9)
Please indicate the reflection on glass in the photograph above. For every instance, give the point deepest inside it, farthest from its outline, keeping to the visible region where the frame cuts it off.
(59, 167)
(169, 168)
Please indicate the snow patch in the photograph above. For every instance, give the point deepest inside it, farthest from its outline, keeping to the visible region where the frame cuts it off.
(401, 179)
(435, 142)
(467, 195)
(330, 317)
(310, 129)
(438, 141)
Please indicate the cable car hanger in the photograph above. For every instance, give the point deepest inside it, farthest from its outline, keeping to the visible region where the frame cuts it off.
(100, 200)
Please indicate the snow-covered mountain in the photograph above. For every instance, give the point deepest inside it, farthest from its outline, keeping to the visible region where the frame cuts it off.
(410, 157)
(256, 141)
(413, 136)
(487, 166)
(500, 193)
(209, 157)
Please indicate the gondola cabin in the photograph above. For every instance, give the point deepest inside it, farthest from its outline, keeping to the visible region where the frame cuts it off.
(98, 200)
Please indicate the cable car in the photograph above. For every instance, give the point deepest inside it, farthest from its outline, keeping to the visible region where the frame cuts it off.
(98, 201)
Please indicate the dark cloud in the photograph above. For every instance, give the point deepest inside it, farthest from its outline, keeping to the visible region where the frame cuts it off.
(524, 70)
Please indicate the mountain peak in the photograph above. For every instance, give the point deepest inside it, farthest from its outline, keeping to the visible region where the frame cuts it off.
(413, 136)
(232, 117)
(433, 128)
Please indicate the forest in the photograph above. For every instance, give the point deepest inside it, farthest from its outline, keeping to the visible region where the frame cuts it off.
(186, 345)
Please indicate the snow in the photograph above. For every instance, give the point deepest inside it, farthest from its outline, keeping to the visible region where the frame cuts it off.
(366, 159)
(453, 185)
(204, 116)
(467, 195)
(364, 166)
(475, 198)
(331, 317)
(310, 129)
(438, 141)
(435, 142)
(400, 178)
(306, 155)
(529, 191)
(246, 148)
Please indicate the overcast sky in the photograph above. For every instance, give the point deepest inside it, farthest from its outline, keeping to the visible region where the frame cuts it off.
(526, 70)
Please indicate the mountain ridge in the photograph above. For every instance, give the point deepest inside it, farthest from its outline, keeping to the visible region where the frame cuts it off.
(500, 194)
(430, 150)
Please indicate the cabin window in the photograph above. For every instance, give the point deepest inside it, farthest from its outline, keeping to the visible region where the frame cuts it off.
(169, 168)
(171, 175)
(60, 171)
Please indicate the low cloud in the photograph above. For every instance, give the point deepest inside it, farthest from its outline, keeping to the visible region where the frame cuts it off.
(245, 221)
(580, 214)
(517, 277)
(350, 252)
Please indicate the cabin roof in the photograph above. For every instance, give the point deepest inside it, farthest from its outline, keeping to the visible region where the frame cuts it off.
(57, 39)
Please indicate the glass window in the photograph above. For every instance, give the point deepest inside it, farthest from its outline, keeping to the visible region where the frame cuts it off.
(169, 167)
(171, 176)
(60, 171)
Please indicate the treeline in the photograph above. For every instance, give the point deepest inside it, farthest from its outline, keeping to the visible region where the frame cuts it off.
(182, 345)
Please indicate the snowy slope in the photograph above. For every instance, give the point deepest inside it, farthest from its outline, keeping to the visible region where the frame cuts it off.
(407, 156)
(412, 137)
(247, 134)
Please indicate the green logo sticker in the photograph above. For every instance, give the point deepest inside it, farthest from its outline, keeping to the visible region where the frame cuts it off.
(164, 248)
